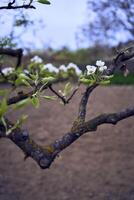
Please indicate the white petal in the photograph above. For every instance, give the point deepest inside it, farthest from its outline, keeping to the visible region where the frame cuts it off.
(91, 69)
(63, 68)
(51, 68)
(101, 69)
(100, 63)
(75, 67)
(7, 70)
(36, 59)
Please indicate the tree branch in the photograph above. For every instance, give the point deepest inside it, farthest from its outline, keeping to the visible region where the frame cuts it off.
(14, 53)
(63, 99)
(21, 96)
(45, 156)
(11, 5)
(83, 105)
(123, 56)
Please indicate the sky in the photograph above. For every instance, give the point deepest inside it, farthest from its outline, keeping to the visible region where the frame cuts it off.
(62, 19)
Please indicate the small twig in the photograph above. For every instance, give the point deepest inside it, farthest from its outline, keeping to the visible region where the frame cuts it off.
(64, 100)
(57, 94)
(73, 93)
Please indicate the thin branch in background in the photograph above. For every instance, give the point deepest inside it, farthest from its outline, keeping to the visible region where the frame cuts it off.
(12, 6)
(122, 56)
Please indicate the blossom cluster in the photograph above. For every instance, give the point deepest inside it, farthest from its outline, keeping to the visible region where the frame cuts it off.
(7, 70)
(51, 68)
(100, 65)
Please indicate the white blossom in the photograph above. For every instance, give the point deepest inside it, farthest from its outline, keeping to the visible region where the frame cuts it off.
(101, 69)
(75, 67)
(51, 68)
(7, 70)
(101, 65)
(36, 59)
(90, 69)
(26, 71)
(63, 68)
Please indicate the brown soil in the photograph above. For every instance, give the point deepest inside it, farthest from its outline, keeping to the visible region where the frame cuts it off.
(98, 166)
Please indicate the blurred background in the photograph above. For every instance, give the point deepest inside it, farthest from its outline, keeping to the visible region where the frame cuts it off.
(98, 166)
(66, 31)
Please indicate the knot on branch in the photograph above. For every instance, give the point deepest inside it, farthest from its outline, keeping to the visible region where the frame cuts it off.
(46, 158)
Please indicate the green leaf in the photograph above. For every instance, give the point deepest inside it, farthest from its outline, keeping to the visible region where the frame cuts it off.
(48, 79)
(21, 103)
(87, 81)
(2, 119)
(44, 2)
(21, 121)
(17, 124)
(3, 107)
(49, 97)
(67, 89)
(24, 76)
(26, 83)
(21, 81)
(35, 101)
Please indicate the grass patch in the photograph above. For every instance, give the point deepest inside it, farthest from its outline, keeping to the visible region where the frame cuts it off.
(119, 79)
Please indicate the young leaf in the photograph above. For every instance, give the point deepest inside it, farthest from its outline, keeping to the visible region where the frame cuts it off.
(35, 101)
(2, 119)
(67, 89)
(20, 121)
(24, 76)
(3, 107)
(44, 2)
(22, 103)
(49, 97)
(48, 79)
(87, 81)
(17, 124)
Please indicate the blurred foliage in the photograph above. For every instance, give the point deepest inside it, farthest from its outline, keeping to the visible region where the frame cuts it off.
(119, 79)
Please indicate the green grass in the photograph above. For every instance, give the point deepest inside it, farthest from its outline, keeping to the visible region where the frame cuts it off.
(119, 79)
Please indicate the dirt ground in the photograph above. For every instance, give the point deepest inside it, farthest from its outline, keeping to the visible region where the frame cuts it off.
(99, 166)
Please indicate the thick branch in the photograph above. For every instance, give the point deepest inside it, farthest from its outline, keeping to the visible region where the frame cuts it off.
(44, 156)
(21, 96)
(13, 52)
(83, 103)
(83, 106)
